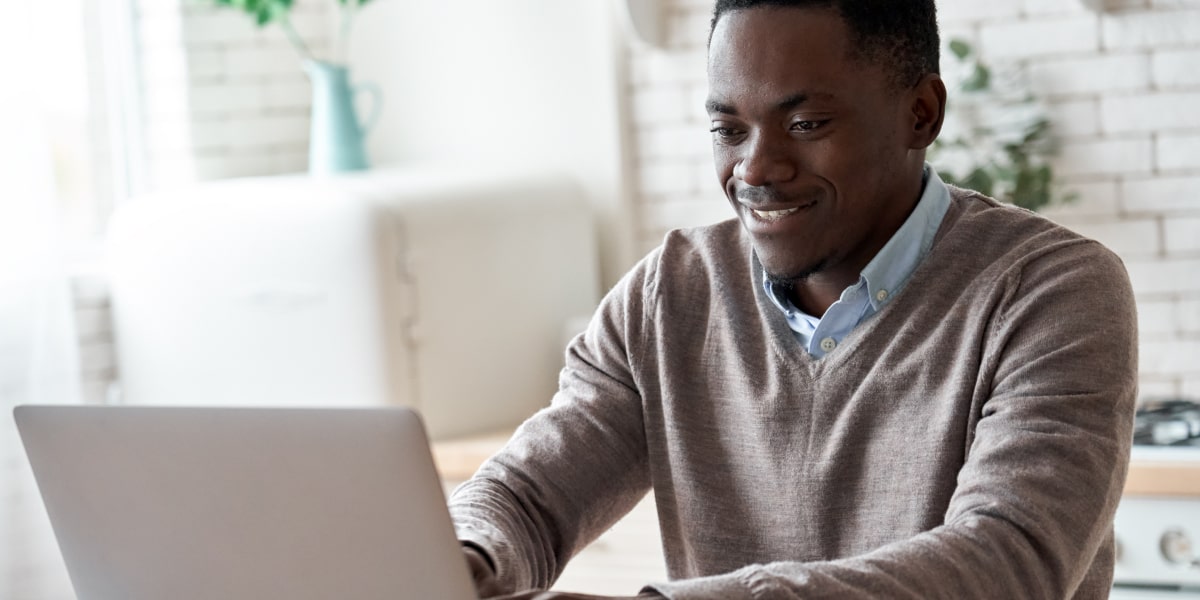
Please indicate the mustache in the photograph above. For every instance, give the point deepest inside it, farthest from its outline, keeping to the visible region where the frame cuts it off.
(772, 195)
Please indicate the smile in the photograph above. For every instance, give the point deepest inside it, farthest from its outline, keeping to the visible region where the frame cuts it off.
(774, 215)
(770, 217)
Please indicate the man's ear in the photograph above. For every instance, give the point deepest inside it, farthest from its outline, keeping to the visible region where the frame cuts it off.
(927, 101)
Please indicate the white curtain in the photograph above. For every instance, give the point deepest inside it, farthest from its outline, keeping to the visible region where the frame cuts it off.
(38, 362)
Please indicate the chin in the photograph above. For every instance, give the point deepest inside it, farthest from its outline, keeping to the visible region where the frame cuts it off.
(792, 275)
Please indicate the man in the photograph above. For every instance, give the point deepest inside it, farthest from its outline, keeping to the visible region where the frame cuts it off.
(869, 385)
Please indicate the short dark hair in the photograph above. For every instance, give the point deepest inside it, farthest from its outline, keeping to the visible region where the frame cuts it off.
(901, 35)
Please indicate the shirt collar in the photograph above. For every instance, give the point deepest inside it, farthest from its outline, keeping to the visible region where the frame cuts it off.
(891, 268)
(893, 265)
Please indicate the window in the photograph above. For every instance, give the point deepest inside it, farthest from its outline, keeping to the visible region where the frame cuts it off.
(65, 161)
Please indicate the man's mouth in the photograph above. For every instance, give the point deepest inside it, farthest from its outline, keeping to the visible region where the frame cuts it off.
(774, 215)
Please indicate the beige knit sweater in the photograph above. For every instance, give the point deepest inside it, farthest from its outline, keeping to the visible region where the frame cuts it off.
(968, 441)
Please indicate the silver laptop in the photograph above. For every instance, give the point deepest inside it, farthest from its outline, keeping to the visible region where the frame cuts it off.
(240, 503)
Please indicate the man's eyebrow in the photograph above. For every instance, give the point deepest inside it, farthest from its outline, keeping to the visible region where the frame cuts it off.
(792, 102)
(797, 99)
(714, 106)
(788, 103)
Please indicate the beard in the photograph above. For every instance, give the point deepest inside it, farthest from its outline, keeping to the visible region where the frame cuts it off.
(785, 282)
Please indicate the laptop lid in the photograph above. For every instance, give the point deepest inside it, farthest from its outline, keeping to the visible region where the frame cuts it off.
(233, 503)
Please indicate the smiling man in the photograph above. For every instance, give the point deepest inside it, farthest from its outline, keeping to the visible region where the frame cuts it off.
(868, 385)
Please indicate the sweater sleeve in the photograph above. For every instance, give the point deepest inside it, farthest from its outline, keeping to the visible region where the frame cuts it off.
(574, 468)
(1035, 499)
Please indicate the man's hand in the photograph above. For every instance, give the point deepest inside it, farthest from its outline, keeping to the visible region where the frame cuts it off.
(484, 577)
(544, 595)
(482, 573)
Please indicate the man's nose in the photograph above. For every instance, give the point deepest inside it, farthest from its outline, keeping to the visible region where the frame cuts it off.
(765, 162)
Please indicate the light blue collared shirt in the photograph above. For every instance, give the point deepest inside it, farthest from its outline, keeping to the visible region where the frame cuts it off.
(880, 281)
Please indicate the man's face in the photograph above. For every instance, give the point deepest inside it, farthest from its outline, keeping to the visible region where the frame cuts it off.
(811, 144)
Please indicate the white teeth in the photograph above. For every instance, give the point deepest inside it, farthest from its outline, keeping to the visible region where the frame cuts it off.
(774, 215)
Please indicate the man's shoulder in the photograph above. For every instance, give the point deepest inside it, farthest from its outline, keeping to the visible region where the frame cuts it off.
(714, 250)
(715, 237)
(695, 264)
(1002, 237)
(986, 224)
(971, 210)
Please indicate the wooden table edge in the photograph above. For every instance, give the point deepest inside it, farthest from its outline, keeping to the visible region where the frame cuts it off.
(1163, 478)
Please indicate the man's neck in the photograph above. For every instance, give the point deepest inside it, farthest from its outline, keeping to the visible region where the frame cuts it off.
(817, 292)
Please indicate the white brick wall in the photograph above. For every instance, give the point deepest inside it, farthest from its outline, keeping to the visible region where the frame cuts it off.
(1150, 111)
(1189, 316)
(1129, 237)
(1176, 68)
(1152, 29)
(660, 105)
(1165, 277)
(1179, 152)
(224, 98)
(1074, 117)
(93, 328)
(1174, 194)
(1093, 198)
(1170, 357)
(1043, 37)
(1157, 317)
(1182, 235)
(1122, 89)
(1106, 156)
(952, 11)
(1082, 75)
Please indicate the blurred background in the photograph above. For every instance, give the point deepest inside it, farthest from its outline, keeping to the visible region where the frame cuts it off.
(557, 139)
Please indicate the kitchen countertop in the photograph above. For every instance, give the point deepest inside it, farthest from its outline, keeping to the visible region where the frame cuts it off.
(1148, 477)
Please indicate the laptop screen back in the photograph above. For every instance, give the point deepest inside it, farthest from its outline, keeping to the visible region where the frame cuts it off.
(168, 502)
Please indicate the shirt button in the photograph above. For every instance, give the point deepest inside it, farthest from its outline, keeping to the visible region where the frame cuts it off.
(881, 295)
(828, 344)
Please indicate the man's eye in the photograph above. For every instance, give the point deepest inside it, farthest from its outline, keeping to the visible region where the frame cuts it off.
(724, 132)
(807, 125)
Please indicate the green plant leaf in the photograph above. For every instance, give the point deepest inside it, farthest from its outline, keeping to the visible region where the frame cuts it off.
(959, 48)
(947, 177)
(980, 79)
(1033, 189)
(981, 181)
(1035, 132)
(263, 12)
(1007, 153)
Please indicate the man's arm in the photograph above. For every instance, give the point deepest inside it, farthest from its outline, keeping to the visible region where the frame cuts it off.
(1035, 500)
(573, 469)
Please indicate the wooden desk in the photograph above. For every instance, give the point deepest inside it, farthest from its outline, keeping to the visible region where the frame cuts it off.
(458, 459)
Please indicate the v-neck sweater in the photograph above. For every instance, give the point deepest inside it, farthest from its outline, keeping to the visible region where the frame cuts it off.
(881, 279)
(970, 440)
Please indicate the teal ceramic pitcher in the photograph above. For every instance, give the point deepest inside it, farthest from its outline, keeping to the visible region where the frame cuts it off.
(336, 140)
